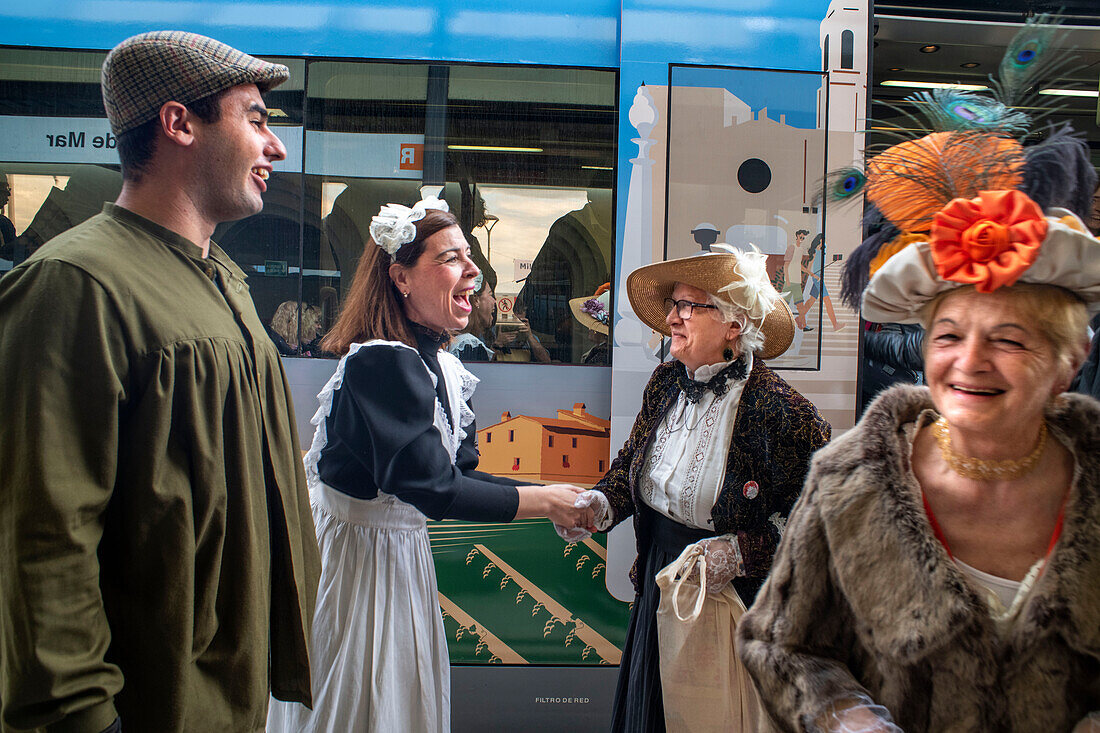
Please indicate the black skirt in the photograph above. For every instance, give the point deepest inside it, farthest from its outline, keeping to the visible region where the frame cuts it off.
(638, 705)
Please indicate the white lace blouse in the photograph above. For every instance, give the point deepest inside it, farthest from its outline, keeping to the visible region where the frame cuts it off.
(685, 465)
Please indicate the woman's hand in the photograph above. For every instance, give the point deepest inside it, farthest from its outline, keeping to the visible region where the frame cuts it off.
(724, 563)
(601, 516)
(856, 715)
(555, 502)
(1089, 724)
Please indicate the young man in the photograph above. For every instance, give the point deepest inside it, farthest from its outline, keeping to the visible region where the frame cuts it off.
(158, 566)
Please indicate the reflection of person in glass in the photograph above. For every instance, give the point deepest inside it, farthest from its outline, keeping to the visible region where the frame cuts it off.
(88, 188)
(395, 444)
(813, 285)
(573, 261)
(471, 343)
(285, 329)
(717, 454)
(158, 562)
(7, 229)
(515, 341)
(595, 313)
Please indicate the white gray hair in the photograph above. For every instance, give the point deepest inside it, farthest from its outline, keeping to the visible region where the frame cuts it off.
(752, 337)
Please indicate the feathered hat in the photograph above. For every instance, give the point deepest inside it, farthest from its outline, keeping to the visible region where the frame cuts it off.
(594, 311)
(970, 203)
(739, 278)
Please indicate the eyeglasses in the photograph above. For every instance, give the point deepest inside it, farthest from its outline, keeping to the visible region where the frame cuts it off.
(684, 308)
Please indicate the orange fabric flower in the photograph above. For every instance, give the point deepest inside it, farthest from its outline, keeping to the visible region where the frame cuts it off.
(989, 241)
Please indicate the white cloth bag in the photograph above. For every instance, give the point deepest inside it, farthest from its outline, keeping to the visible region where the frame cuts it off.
(704, 685)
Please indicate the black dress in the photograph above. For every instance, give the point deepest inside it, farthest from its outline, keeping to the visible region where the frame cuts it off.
(380, 434)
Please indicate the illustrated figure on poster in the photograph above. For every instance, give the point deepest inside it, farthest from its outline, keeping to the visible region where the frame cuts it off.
(717, 454)
(813, 284)
(705, 234)
(939, 571)
(159, 566)
(395, 445)
(782, 274)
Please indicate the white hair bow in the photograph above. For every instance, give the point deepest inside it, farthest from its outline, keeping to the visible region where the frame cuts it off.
(752, 290)
(393, 226)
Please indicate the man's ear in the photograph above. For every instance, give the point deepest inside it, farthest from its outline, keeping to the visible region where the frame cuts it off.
(177, 123)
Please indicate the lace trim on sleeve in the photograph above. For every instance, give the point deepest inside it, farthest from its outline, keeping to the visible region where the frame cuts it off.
(460, 384)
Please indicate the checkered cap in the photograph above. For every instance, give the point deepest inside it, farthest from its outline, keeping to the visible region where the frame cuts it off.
(145, 71)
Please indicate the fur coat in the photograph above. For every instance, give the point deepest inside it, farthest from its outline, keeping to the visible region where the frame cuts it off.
(776, 432)
(863, 598)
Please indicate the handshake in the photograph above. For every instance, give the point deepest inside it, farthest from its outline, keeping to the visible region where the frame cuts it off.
(593, 513)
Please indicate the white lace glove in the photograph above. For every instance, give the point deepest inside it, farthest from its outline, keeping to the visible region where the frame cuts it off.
(856, 715)
(1089, 724)
(724, 562)
(601, 518)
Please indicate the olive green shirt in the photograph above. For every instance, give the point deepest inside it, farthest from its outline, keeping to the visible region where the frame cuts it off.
(157, 552)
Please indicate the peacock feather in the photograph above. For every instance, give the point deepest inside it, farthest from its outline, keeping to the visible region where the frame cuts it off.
(844, 183)
(913, 180)
(952, 109)
(1033, 58)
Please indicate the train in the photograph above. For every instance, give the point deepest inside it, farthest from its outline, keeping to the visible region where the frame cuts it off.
(575, 140)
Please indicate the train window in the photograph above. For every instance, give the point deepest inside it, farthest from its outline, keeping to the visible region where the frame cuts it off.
(57, 165)
(60, 165)
(524, 158)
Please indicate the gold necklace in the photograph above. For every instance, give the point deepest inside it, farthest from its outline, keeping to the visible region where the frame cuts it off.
(982, 469)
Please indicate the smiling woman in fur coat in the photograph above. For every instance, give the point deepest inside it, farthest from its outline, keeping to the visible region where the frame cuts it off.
(941, 571)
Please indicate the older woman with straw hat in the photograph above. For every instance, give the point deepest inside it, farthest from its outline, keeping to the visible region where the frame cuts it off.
(717, 454)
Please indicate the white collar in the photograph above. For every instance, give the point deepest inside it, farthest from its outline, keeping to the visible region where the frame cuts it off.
(704, 373)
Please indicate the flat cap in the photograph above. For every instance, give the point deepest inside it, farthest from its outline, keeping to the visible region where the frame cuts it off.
(145, 71)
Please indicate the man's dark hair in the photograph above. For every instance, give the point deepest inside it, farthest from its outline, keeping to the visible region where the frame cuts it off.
(136, 146)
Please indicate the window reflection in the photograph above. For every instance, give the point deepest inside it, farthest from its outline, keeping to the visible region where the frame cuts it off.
(524, 155)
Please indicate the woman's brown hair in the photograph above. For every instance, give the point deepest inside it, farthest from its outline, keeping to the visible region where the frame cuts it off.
(373, 307)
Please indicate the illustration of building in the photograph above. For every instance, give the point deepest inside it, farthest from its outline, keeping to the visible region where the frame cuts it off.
(571, 448)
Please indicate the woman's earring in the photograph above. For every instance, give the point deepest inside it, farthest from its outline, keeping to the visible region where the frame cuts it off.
(727, 354)
(405, 294)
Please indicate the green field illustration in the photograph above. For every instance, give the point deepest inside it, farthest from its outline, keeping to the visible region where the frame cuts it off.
(517, 593)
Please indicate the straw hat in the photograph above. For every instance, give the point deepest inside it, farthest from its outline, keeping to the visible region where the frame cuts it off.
(600, 307)
(739, 279)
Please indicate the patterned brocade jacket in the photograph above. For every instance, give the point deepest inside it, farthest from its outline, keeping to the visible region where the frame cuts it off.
(776, 432)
